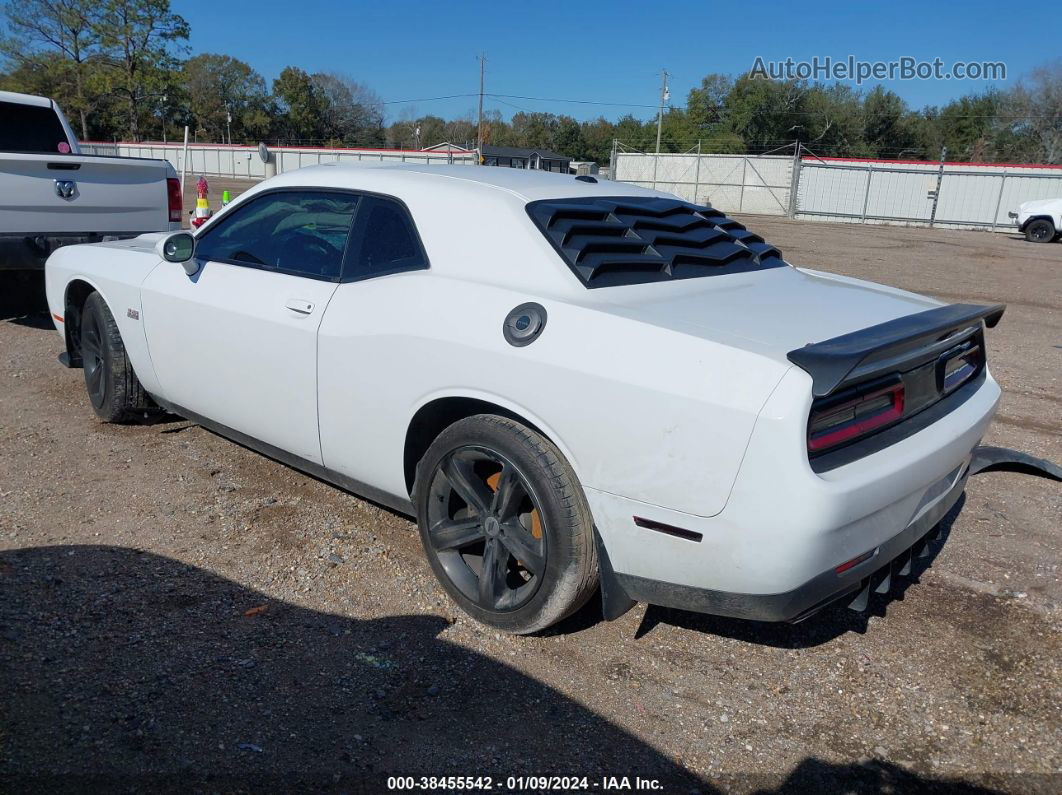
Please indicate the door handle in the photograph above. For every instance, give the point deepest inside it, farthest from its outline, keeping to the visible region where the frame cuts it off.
(299, 306)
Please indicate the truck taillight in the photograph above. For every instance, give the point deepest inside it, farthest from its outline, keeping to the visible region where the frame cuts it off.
(173, 192)
(848, 416)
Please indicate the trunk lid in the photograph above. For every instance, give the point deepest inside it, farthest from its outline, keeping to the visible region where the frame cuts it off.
(770, 312)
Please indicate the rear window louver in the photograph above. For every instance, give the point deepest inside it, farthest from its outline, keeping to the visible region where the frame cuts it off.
(615, 241)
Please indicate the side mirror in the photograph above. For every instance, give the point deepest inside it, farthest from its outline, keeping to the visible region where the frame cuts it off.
(179, 247)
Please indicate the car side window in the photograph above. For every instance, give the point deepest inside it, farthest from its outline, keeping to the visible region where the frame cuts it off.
(303, 233)
(384, 241)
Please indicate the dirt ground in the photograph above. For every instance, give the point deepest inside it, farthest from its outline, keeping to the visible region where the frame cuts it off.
(177, 612)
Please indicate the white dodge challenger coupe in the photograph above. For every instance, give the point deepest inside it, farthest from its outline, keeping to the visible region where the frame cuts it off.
(567, 382)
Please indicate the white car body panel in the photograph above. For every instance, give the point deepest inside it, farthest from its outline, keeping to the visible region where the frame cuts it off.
(1040, 208)
(674, 401)
(785, 523)
(392, 324)
(116, 271)
(227, 345)
(760, 310)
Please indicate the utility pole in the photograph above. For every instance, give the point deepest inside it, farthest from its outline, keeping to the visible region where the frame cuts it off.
(479, 127)
(935, 194)
(664, 97)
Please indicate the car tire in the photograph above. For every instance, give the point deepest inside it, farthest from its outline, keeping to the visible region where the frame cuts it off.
(1040, 230)
(113, 388)
(487, 490)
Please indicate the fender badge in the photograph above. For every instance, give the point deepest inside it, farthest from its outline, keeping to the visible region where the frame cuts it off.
(132, 313)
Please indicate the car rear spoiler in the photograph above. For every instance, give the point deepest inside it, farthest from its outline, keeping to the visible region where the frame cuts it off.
(876, 349)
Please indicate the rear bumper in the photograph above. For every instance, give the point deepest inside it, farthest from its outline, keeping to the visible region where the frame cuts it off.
(772, 553)
(891, 557)
(30, 251)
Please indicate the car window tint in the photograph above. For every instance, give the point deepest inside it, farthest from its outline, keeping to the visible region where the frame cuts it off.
(388, 241)
(299, 232)
(31, 128)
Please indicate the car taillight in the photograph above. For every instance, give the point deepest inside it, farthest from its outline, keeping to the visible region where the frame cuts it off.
(847, 417)
(173, 192)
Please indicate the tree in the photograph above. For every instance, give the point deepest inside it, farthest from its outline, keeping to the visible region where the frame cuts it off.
(352, 113)
(432, 131)
(633, 133)
(597, 136)
(219, 85)
(496, 130)
(831, 122)
(705, 103)
(59, 38)
(765, 113)
(1034, 115)
(534, 130)
(568, 138)
(138, 39)
(887, 127)
(461, 131)
(968, 126)
(301, 108)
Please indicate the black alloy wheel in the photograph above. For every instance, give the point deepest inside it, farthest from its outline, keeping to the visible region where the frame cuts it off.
(486, 529)
(505, 524)
(92, 356)
(1040, 231)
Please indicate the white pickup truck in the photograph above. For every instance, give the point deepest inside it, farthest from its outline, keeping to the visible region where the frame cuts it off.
(1040, 219)
(51, 195)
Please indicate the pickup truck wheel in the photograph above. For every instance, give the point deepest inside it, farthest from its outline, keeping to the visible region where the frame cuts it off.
(505, 524)
(1040, 231)
(114, 391)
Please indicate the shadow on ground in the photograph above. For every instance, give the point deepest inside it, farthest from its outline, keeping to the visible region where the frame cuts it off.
(124, 670)
(22, 298)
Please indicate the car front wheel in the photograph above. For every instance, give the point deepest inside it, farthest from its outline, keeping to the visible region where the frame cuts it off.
(1040, 231)
(505, 524)
(113, 388)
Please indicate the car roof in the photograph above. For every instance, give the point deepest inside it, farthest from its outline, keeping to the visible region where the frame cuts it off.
(465, 215)
(523, 185)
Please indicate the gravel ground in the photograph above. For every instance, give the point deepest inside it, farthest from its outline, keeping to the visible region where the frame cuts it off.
(177, 612)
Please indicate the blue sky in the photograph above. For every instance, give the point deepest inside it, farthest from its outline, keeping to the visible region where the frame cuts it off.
(608, 52)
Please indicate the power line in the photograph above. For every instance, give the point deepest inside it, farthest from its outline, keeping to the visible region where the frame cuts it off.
(575, 101)
(426, 99)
